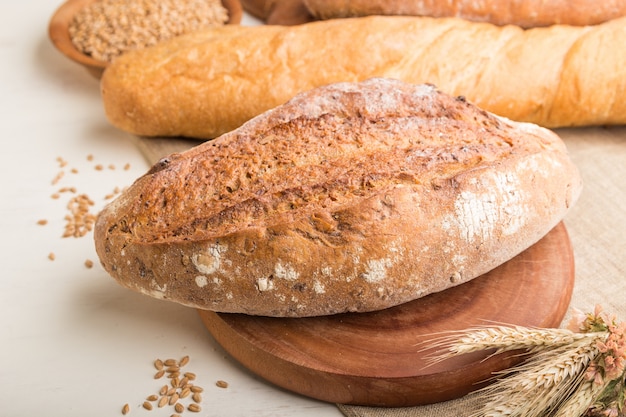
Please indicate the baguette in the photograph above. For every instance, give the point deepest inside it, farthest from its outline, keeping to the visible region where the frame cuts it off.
(208, 83)
(350, 197)
(524, 13)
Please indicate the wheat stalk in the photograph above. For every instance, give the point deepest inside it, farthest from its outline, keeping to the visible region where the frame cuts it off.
(502, 339)
(580, 400)
(566, 374)
(542, 382)
(554, 365)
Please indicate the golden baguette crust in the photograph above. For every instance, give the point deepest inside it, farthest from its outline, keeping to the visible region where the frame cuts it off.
(350, 197)
(211, 82)
(524, 13)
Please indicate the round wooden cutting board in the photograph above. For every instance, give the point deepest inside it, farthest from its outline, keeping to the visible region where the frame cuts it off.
(380, 358)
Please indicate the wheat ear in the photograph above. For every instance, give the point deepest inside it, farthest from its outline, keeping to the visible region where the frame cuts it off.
(502, 339)
(580, 400)
(541, 383)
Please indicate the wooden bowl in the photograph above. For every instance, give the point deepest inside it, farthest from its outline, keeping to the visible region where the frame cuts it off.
(58, 31)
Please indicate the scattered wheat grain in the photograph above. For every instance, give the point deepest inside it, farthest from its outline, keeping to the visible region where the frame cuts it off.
(194, 408)
(185, 392)
(58, 177)
(80, 221)
(222, 384)
(125, 409)
(147, 405)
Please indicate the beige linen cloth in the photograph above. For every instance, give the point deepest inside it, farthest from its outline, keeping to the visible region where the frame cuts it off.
(596, 225)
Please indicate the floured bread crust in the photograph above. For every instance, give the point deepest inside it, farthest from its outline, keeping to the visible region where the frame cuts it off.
(350, 197)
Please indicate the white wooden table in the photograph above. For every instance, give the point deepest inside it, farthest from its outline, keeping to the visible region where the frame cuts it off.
(73, 342)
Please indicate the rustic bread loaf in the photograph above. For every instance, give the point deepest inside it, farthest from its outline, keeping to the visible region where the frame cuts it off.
(211, 82)
(524, 13)
(350, 197)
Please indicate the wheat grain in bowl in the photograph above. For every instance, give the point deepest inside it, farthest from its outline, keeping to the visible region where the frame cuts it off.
(94, 32)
